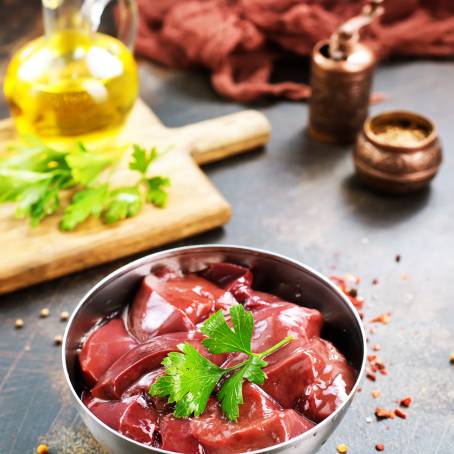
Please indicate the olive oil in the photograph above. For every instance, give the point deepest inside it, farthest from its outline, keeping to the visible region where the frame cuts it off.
(73, 83)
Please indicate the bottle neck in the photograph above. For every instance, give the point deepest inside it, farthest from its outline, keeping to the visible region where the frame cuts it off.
(63, 15)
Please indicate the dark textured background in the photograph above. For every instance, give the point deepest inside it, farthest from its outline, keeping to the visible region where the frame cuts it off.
(297, 198)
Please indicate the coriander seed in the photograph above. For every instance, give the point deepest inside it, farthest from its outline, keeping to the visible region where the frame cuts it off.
(42, 449)
(64, 316)
(58, 340)
(44, 312)
(342, 448)
(19, 323)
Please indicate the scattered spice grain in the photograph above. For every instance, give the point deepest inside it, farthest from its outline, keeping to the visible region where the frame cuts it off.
(382, 413)
(371, 376)
(64, 316)
(382, 318)
(398, 257)
(376, 347)
(375, 393)
(42, 449)
(58, 340)
(400, 413)
(451, 358)
(379, 447)
(44, 312)
(406, 401)
(19, 324)
(342, 448)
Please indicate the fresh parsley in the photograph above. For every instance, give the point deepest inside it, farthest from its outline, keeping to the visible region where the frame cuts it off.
(123, 203)
(142, 159)
(190, 378)
(33, 175)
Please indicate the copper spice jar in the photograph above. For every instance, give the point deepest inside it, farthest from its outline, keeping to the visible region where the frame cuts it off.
(398, 152)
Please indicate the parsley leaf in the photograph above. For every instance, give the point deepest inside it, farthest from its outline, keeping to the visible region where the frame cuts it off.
(231, 392)
(189, 381)
(84, 204)
(38, 201)
(33, 174)
(190, 378)
(222, 339)
(141, 159)
(85, 166)
(155, 192)
(35, 157)
(123, 203)
(14, 182)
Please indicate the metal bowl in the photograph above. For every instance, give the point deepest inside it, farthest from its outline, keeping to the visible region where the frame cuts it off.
(273, 273)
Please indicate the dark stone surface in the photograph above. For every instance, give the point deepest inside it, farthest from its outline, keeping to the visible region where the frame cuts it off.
(297, 198)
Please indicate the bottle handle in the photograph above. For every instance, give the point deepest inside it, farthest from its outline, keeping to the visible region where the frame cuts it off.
(126, 17)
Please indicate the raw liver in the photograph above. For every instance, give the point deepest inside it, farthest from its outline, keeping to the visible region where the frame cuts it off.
(262, 423)
(144, 358)
(175, 305)
(103, 348)
(311, 377)
(306, 380)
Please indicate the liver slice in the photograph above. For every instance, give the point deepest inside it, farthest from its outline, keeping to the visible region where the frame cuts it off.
(262, 423)
(178, 304)
(103, 348)
(142, 359)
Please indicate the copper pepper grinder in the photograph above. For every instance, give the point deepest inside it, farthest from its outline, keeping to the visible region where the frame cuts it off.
(341, 80)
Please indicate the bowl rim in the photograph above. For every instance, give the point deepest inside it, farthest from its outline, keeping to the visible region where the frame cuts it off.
(399, 114)
(215, 248)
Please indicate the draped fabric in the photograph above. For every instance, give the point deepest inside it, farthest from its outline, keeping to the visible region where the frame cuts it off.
(238, 41)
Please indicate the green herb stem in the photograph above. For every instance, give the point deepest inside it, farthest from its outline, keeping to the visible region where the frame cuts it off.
(276, 347)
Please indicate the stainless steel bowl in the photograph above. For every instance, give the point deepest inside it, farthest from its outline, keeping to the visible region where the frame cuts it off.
(274, 273)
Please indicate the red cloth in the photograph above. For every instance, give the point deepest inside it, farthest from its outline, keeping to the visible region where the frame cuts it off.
(238, 40)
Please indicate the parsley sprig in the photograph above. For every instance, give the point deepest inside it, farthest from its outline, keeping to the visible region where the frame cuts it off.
(190, 378)
(34, 176)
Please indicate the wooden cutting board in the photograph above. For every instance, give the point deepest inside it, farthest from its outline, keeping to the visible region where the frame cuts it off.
(31, 255)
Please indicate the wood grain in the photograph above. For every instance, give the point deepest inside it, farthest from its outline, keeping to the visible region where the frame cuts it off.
(32, 255)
